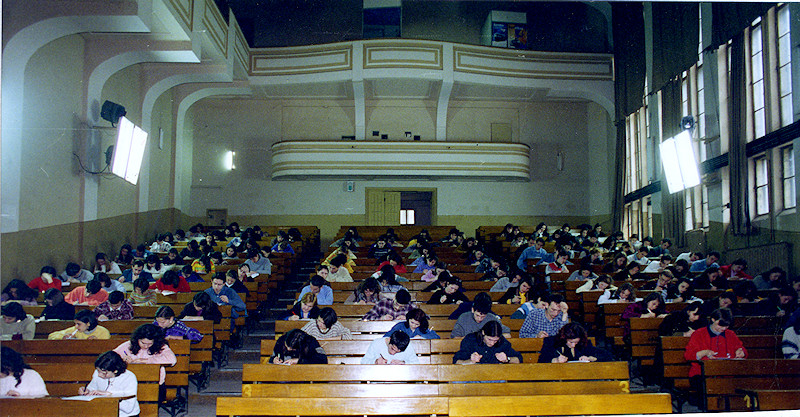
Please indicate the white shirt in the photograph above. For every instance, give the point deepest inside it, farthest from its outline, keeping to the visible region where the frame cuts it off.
(31, 384)
(121, 386)
(380, 347)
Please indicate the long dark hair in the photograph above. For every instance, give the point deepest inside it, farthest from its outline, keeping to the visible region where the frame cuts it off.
(420, 316)
(12, 363)
(572, 331)
(148, 331)
(24, 292)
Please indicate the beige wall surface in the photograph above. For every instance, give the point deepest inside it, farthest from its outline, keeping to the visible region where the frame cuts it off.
(53, 129)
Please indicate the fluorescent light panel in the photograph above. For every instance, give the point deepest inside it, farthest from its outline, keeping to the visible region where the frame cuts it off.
(129, 150)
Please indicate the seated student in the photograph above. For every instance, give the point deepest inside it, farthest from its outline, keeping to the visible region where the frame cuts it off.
(480, 261)
(337, 270)
(396, 262)
(703, 264)
(230, 253)
(774, 278)
(16, 324)
(660, 284)
(102, 264)
(160, 245)
(173, 328)
(141, 252)
(735, 270)
(415, 326)
(680, 269)
(388, 279)
(147, 345)
(223, 295)
(189, 275)
(348, 236)
(630, 273)
(559, 266)
(258, 263)
(154, 266)
(619, 264)
(710, 279)
(204, 265)
(790, 343)
(498, 270)
(571, 344)
(232, 281)
(111, 377)
(518, 294)
(391, 309)
(651, 306)
(659, 265)
(624, 294)
(18, 291)
(537, 300)
(426, 263)
(201, 308)
(327, 326)
(297, 347)
(55, 306)
(305, 309)
(393, 350)
(367, 292)
(602, 283)
(546, 322)
(46, 280)
(782, 304)
(172, 282)
(506, 282)
(136, 271)
(486, 346)
(17, 379)
(592, 259)
(584, 273)
(681, 292)
(125, 257)
(683, 322)
(91, 294)
(380, 249)
(191, 251)
(85, 328)
(480, 314)
(173, 259)
(433, 274)
(318, 286)
(115, 308)
(662, 249)
(281, 244)
(714, 341)
(349, 257)
(74, 273)
(535, 250)
(450, 294)
(109, 284)
(142, 295)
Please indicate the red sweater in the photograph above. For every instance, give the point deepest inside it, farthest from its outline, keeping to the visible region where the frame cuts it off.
(725, 344)
(41, 286)
(726, 273)
(183, 286)
(398, 269)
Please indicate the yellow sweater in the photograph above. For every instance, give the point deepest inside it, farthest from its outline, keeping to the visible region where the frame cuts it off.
(99, 332)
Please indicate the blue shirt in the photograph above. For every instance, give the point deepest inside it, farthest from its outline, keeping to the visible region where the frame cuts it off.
(401, 327)
(536, 321)
(233, 300)
(700, 266)
(263, 266)
(324, 297)
(530, 253)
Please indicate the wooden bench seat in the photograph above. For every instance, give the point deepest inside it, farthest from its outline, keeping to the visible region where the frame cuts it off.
(66, 353)
(57, 407)
(357, 311)
(771, 399)
(64, 380)
(436, 380)
(722, 378)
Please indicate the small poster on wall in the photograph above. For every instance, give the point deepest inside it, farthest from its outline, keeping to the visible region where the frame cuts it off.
(517, 36)
(500, 34)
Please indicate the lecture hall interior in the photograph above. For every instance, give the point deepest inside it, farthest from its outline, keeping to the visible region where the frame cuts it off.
(337, 113)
